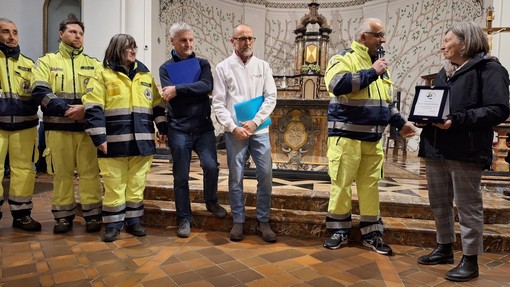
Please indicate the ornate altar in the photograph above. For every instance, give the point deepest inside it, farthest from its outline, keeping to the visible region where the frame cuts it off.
(299, 130)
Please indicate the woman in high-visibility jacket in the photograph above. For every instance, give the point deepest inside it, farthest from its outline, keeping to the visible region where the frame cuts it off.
(122, 104)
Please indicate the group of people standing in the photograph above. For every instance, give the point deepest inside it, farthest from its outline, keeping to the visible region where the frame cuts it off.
(100, 121)
(108, 111)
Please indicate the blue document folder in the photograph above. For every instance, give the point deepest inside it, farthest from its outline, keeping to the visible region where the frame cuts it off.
(184, 72)
(247, 110)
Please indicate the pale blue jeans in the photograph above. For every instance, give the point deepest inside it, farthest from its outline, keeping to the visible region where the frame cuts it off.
(259, 148)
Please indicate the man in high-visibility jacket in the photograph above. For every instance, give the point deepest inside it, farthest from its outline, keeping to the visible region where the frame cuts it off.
(359, 110)
(59, 81)
(18, 131)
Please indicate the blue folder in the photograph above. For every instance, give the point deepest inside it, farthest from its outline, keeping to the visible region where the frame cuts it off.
(184, 72)
(247, 110)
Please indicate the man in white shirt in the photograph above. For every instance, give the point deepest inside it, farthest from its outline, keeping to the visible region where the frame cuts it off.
(239, 78)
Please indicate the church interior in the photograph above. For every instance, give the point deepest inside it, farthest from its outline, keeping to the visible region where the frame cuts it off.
(297, 38)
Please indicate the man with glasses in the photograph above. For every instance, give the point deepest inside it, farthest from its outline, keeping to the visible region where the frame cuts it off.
(359, 111)
(239, 78)
(59, 81)
(190, 127)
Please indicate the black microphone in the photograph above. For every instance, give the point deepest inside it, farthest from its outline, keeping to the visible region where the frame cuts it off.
(380, 54)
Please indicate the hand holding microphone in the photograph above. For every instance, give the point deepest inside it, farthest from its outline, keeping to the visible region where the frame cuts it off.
(380, 65)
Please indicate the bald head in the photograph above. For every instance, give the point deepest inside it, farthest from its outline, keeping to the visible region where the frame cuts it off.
(241, 29)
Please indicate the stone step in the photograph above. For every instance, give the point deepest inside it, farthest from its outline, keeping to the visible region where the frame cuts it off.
(286, 198)
(398, 230)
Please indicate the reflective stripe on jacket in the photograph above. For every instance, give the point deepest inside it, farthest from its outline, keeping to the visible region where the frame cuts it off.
(18, 110)
(122, 112)
(361, 106)
(59, 80)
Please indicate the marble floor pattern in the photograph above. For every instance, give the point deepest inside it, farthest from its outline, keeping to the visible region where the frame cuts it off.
(208, 258)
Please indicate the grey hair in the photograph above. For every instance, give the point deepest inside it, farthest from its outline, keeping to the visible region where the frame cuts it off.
(472, 36)
(5, 20)
(366, 25)
(179, 27)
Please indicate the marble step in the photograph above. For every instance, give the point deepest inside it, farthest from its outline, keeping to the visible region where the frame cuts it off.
(398, 230)
(288, 198)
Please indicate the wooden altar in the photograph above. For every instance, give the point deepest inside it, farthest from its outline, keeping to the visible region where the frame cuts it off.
(299, 129)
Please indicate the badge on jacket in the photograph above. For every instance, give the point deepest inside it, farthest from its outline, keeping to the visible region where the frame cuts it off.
(148, 94)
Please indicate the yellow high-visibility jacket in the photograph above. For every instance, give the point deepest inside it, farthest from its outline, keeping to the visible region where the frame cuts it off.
(18, 110)
(59, 80)
(361, 106)
(122, 110)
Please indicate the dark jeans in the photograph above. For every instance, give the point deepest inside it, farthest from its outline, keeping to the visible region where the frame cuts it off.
(181, 144)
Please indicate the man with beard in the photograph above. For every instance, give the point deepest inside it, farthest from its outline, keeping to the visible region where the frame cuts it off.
(240, 78)
(59, 81)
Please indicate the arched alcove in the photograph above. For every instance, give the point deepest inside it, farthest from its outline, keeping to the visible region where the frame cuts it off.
(55, 11)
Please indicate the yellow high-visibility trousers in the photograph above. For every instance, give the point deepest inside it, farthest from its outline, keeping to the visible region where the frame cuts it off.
(354, 160)
(22, 148)
(124, 180)
(66, 152)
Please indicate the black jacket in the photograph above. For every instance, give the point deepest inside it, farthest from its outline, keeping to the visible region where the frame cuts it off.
(190, 110)
(478, 101)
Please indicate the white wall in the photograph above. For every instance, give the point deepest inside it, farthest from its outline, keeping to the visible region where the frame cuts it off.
(30, 32)
(134, 17)
(100, 25)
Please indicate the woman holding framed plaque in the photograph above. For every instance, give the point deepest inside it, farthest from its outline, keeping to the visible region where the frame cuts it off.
(458, 149)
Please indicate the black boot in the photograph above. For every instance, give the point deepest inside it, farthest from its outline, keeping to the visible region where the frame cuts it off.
(465, 271)
(442, 254)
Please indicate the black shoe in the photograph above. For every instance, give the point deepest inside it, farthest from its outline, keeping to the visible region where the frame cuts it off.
(337, 240)
(26, 223)
(217, 210)
(236, 234)
(62, 226)
(110, 234)
(136, 230)
(184, 229)
(377, 244)
(264, 230)
(442, 254)
(93, 225)
(465, 271)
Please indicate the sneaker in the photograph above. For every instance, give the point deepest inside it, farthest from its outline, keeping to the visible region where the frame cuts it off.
(26, 223)
(217, 210)
(110, 234)
(336, 241)
(136, 230)
(93, 225)
(377, 244)
(184, 229)
(264, 230)
(236, 234)
(62, 226)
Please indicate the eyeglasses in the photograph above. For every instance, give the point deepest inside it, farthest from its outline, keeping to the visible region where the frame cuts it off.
(376, 34)
(244, 39)
(132, 49)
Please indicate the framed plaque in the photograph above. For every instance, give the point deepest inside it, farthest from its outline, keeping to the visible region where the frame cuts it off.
(430, 104)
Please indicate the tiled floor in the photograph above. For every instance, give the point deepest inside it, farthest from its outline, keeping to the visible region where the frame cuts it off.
(208, 258)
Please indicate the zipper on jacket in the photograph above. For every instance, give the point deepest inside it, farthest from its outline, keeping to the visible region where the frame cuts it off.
(74, 84)
(8, 76)
(9, 82)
